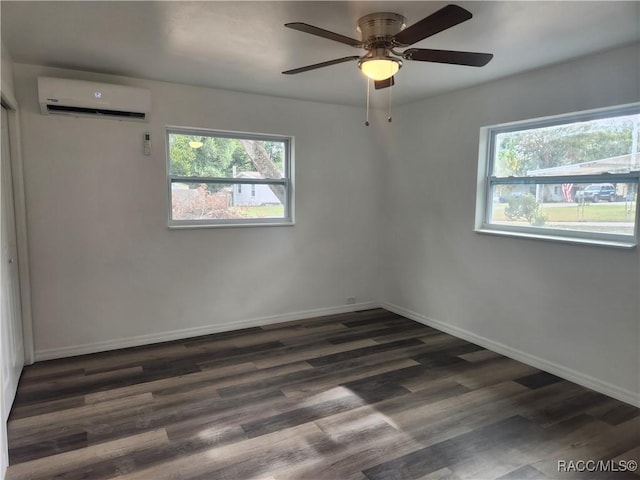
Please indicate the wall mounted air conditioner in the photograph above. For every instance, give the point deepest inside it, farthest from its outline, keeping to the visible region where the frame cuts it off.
(77, 97)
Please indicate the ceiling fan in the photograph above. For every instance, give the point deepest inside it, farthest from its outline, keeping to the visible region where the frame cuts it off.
(382, 33)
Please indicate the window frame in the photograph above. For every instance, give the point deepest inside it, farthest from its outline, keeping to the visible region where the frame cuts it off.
(286, 181)
(487, 181)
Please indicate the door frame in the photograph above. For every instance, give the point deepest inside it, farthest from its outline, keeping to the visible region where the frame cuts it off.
(19, 205)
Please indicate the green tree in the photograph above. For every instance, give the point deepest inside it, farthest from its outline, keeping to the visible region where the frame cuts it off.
(214, 157)
(275, 151)
(520, 152)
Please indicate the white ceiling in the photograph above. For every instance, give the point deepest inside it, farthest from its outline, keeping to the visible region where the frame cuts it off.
(244, 46)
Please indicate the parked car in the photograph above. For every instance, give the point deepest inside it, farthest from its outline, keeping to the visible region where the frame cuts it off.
(596, 192)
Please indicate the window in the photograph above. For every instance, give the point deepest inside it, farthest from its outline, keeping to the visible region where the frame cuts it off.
(228, 179)
(570, 177)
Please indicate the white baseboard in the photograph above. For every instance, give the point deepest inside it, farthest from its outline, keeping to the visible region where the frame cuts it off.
(574, 376)
(116, 344)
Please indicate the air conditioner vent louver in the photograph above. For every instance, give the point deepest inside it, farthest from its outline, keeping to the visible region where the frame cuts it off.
(95, 111)
(76, 97)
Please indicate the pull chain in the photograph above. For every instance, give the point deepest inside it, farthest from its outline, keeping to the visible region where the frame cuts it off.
(368, 89)
(389, 118)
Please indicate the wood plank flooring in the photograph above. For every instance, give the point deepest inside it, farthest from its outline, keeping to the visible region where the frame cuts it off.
(367, 395)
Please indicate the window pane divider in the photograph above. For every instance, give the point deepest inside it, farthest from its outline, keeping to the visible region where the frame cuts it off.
(631, 177)
(230, 181)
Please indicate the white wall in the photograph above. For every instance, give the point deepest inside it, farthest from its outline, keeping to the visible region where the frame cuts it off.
(572, 309)
(107, 272)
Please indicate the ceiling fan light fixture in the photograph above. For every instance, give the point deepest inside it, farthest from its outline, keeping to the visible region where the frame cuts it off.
(195, 144)
(380, 68)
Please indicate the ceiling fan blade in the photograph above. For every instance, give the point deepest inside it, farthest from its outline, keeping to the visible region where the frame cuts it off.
(320, 65)
(379, 84)
(320, 32)
(444, 18)
(470, 59)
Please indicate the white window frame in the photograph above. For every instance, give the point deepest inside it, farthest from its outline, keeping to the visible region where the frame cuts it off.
(486, 182)
(286, 181)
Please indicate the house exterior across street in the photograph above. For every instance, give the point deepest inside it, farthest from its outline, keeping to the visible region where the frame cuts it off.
(244, 195)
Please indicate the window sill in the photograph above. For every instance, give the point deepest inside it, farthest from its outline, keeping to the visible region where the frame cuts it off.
(189, 226)
(630, 244)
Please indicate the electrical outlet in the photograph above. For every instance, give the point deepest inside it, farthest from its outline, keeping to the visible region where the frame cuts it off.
(351, 300)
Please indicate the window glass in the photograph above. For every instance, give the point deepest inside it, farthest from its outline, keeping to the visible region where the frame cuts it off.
(600, 208)
(570, 176)
(218, 178)
(577, 148)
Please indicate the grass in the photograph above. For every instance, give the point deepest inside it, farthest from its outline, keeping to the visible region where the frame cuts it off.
(589, 212)
(261, 211)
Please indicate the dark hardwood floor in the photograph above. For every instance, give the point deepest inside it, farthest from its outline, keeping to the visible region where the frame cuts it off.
(361, 396)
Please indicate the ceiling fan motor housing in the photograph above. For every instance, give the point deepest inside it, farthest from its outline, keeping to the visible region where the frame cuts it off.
(377, 28)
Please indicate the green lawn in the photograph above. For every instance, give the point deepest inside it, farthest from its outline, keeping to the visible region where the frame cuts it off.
(590, 212)
(261, 211)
